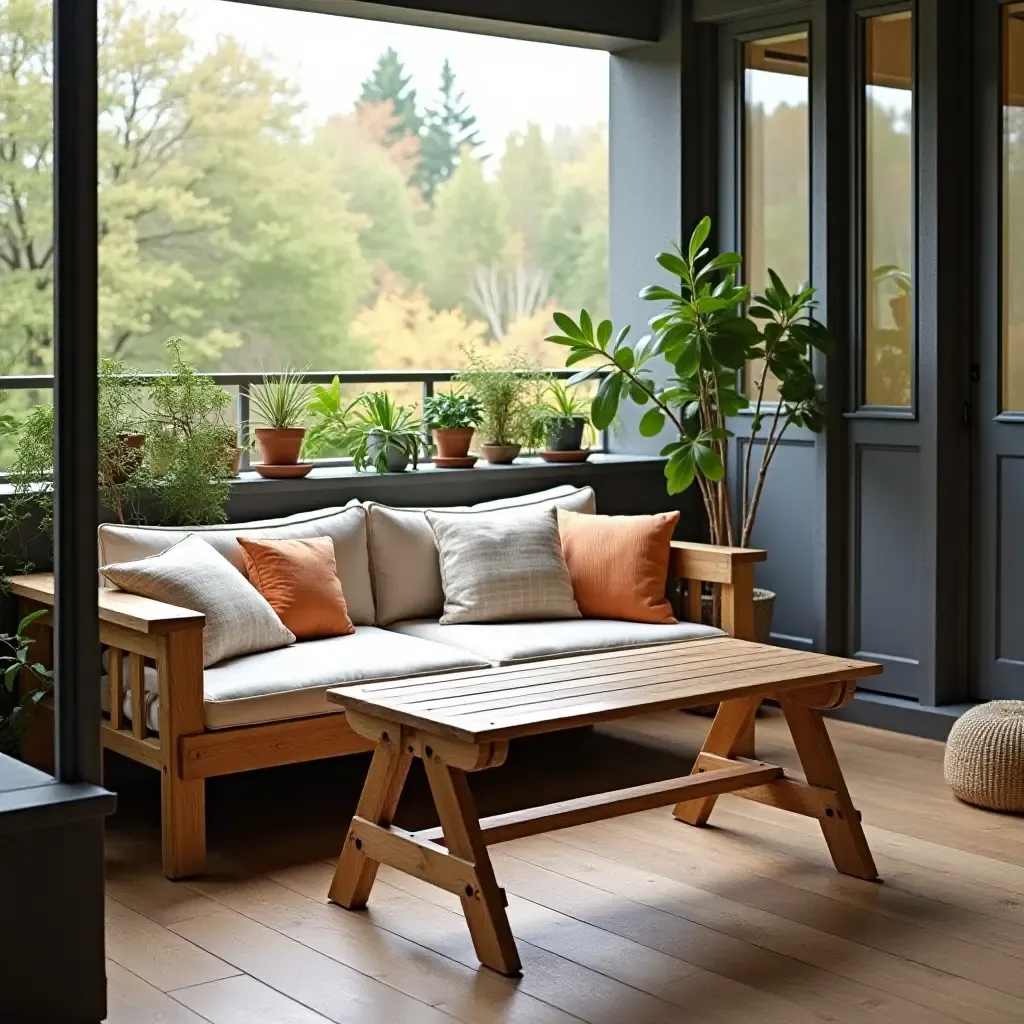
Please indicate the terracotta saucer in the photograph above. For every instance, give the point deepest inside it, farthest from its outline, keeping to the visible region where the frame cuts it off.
(455, 462)
(292, 472)
(581, 455)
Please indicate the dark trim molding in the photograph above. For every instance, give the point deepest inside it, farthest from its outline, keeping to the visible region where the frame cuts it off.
(602, 24)
(896, 714)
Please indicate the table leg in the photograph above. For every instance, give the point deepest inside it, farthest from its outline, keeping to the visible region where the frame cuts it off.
(728, 736)
(841, 824)
(484, 904)
(385, 780)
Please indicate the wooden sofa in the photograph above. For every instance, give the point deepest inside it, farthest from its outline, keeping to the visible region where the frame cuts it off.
(142, 635)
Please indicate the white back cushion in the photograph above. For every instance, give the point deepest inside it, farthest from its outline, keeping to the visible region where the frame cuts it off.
(403, 552)
(345, 526)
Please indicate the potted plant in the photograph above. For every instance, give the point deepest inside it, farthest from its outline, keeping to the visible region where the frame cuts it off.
(899, 304)
(281, 403)
(567, 418)
(706, 338)
(452, 420)
(328, 417)
(381, 433)
(16, 709)
(507, 392)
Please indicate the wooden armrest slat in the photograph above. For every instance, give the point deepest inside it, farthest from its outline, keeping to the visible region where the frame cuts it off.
(710, 563)
(115, 677)
(129, 610)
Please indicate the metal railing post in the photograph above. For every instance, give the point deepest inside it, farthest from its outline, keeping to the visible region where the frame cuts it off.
(244, 434)
(428, 392)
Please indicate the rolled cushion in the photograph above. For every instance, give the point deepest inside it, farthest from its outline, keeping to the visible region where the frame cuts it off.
(984, 762)
(403, 554)
(300, 581)
(239, 620)
(502, 566)
(345, 526)
(619, 564)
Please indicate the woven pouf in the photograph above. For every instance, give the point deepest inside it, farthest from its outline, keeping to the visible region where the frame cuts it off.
(984, 762)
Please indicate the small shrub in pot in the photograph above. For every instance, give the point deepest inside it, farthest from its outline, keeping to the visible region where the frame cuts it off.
(452, 420)
(567, 418)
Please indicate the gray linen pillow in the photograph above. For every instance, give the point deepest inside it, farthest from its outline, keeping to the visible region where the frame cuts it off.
(502, 567)
(192, 575)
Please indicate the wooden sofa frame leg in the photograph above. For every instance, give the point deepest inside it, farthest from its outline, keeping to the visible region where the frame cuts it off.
(182, 801)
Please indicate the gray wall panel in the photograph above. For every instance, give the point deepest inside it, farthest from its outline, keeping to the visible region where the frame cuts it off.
(1010, 560)
(889, 583)
(785, 526)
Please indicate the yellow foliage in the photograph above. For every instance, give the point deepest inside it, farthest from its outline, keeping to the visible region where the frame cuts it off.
(527, 334)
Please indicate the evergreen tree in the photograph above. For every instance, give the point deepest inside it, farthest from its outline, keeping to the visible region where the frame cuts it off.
(449, 129)
(390, 84)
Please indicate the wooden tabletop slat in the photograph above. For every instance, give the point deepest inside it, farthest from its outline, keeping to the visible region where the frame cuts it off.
(494, 704)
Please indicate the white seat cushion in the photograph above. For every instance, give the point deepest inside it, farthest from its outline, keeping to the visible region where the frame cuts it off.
(345, 526)
(506, 642)
(291, 682)
(403, 552)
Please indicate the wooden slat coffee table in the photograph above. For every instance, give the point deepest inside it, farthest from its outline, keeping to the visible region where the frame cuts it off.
(462, 722)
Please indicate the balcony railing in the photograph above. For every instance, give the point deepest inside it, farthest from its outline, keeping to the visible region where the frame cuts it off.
(244, 382)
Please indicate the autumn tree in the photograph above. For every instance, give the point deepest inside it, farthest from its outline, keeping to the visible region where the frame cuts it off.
(449, 128)
(388, 83)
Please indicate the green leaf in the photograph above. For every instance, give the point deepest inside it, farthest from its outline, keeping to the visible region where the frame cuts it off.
(558, 339)
(29, 619)
(567, 326)
(10, 676)
(639, 394)
(781, 291)
(723, 261)
(655, 293)
(688, 360)
(624, 358)
(583, 375)
(577, 355)
(605, 406)
(708, 462)
(699, 237)
(586, 325)
(672, 446)
(621, 337)
(761, 313)
(680, 471)
(604, 332)
(673, 264)
(652, 423)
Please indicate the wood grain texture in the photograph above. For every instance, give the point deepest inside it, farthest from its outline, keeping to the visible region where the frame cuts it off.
(524, 700)
(139, 614)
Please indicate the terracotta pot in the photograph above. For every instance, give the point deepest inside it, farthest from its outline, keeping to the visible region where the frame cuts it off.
(500, 454)
(453, 443)
(280, 447)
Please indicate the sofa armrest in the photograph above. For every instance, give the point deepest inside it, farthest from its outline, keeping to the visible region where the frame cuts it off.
(732, 568)
(138, 614)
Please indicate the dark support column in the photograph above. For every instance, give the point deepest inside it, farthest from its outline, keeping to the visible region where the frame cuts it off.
(76, 643)
(945, 297)
(831, 271)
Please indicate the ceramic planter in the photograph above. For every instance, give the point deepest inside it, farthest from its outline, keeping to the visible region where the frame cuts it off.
(280, 447)
(454, 442)
(233, 460)
(500, 454)
(397, 458)
(566, 434)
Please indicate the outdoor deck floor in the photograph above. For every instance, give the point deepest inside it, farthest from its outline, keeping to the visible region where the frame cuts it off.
(639, 920)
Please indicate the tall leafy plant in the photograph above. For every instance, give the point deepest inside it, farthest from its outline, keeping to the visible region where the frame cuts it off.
(706, 332)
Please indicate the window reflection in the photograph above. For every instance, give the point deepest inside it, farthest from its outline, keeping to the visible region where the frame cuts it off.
(889, 223)
(776, 170)
(1013, 203)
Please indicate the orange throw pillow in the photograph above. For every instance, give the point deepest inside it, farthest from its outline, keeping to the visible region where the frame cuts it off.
(619, 564)
(299, 579)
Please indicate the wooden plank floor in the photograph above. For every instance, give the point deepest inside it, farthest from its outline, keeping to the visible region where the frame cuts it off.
(638, 920)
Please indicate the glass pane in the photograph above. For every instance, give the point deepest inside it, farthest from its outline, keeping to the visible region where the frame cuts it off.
(889, 210)
(303, 189)
(776, 186)
(1013, 205)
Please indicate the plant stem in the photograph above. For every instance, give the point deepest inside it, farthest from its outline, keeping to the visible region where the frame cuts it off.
(766, 457)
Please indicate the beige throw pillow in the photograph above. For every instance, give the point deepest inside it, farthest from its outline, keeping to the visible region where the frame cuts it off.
(193, 575)
(403, 554)
(502, 566)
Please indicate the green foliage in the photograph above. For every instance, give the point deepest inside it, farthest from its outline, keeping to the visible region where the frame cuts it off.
(455, 411)
(328, 414)
(282, 400)
(379, 426)
(562, 404)
(706, 340)
(449, 129)
(16, 710)
(190, 446)
(388, 83)
(509, 392)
